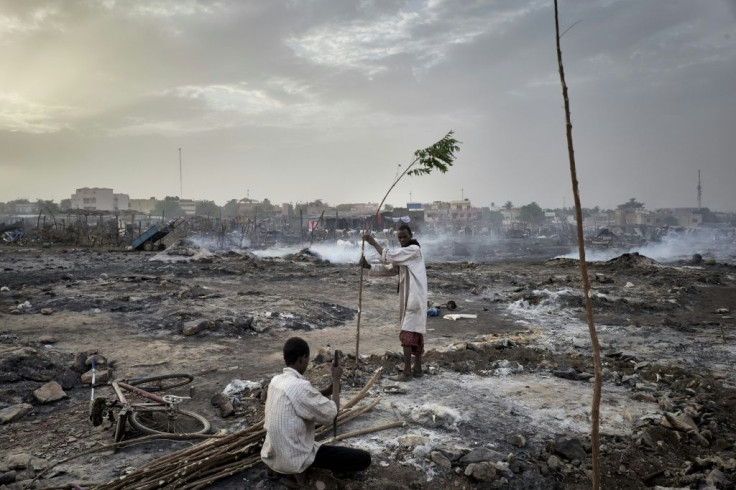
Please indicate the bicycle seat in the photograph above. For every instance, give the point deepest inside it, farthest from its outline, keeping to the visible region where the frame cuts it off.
(173, 399)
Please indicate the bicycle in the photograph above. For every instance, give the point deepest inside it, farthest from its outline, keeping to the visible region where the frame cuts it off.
(154, 414)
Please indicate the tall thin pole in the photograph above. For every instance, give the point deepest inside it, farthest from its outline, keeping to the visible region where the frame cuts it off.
(597, 385)
(181, 179)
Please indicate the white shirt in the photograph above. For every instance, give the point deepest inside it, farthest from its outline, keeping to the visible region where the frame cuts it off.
(408, 264)
(293, 406)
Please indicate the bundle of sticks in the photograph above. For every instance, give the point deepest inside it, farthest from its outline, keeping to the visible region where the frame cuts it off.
(219, 457)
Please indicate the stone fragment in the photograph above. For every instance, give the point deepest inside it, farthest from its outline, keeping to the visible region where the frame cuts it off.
(412, 440)
(481, 454)
(46, 311)
(644, 397)
(483, 471)
(452, 452)
(18, 461)
(222, 402)
(194, 327)
(50, 392)
(569, 448)
(553, 462)
(260, 327)
(69, 379)
(243, 322)
(14, 412)
(517, 440)
(8, 477)
(440, 459)
(568, 373)
(101, 376)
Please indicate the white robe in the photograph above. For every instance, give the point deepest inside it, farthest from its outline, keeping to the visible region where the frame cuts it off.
(408, 264)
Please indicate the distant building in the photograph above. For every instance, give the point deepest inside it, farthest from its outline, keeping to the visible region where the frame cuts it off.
(99, 199)
(26, 208)
(144, 206)
(188, 206)
(364, 208)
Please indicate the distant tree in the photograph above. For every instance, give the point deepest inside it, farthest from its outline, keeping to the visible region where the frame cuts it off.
(230, 209)
(496, 218)
(343, 207)
(206, 208)
(670, 221)
(266, 208)
(65, 204)
(632, 203)
(532, 214)
(169, 208)
(50, 206)
(388, 207)
(508, 205)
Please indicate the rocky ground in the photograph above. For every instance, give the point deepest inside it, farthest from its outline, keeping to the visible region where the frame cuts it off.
(505, 402)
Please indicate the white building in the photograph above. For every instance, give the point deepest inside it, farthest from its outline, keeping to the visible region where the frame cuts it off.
(99, 199)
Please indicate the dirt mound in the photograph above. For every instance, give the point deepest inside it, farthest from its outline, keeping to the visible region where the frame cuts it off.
(631, 260)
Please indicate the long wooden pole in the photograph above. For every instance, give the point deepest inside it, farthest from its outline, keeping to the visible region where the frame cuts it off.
(362, 253)
(595, 409)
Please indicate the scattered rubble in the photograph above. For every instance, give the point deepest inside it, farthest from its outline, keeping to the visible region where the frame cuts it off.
(504, 404)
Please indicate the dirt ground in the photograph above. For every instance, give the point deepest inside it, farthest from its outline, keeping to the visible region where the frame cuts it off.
(505, 402)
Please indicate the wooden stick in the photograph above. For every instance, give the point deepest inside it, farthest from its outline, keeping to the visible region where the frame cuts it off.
(595, 409)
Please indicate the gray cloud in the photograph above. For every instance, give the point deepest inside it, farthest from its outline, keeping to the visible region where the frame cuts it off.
(322, 99)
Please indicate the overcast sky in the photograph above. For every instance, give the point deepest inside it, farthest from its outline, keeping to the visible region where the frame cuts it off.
(296, 100)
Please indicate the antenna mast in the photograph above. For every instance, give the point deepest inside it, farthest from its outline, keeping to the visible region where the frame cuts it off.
(700, 193)
(181, 180)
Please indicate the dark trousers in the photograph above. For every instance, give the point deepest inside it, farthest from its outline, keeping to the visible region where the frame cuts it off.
(341, 459)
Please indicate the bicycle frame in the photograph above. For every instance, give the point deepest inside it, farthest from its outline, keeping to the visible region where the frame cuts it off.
(117, 385)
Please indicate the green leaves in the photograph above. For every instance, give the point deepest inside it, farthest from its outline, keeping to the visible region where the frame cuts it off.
(440, 156)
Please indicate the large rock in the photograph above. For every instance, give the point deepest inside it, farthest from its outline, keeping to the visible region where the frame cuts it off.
(440, 459)
(193, 328)
(483, 471)
(570, 448)
(14, 412)
(50, 392)
(243, 322)
(69, 379)
(18, 461)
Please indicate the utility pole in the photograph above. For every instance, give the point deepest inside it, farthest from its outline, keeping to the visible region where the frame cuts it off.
(700, 193)
(181, 179)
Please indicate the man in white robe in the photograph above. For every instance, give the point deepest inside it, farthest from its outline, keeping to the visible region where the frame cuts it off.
(408, 263)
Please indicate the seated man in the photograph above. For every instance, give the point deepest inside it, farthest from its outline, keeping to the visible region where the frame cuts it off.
(293, 406)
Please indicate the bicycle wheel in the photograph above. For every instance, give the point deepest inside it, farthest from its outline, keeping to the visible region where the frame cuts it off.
(166, 421)
(163, 382)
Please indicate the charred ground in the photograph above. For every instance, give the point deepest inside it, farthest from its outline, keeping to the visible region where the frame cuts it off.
(514, 381)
